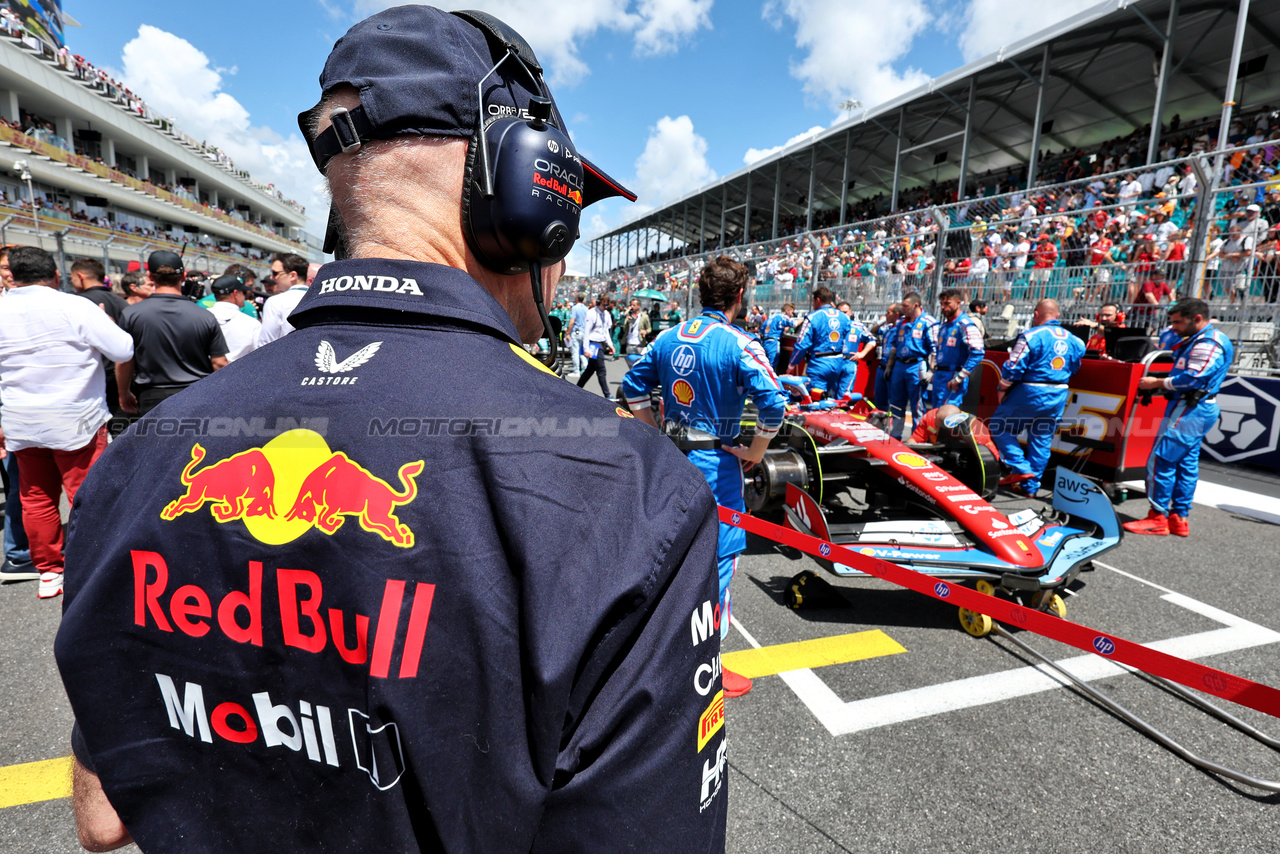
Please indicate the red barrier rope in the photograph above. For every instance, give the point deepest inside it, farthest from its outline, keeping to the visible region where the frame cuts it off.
(1237, 689)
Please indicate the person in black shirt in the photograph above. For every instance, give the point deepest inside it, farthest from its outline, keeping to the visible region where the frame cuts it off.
(88, 278)
(175, 341)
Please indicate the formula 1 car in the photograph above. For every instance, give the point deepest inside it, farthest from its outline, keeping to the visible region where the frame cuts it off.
(839, 476)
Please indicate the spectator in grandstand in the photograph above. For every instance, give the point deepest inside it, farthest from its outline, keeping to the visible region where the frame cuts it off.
(1233, 257)
(238, 329)
(1044, 257)
(52, 347)
(289, 278)
(175, 341)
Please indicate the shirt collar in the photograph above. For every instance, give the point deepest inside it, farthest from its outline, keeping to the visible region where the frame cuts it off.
(717, 314)
(414, 287)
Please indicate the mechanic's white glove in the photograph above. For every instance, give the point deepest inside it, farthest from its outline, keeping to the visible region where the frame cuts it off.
(925, 375)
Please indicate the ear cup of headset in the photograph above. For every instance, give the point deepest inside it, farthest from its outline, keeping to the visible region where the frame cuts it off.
(534, 213)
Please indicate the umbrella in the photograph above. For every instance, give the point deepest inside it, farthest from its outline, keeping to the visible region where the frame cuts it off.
(648, 293)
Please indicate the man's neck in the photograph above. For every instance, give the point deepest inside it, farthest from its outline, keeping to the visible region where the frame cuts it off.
(173, 290)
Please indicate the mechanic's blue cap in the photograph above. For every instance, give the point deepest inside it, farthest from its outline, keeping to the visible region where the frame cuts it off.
(417, 69)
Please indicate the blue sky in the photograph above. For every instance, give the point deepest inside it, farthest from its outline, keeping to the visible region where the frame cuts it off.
(663, 94)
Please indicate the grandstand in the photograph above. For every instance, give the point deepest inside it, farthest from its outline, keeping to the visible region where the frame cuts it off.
(1054, 144)
(1096, 78)
(88, 169)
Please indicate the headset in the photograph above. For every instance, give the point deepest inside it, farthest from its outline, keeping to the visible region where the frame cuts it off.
(522, 188)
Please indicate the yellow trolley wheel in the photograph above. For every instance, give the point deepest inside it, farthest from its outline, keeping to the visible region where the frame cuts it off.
(1058, 606)
(976, 624)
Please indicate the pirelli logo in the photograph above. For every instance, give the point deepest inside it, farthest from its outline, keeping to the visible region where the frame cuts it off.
(711, 721)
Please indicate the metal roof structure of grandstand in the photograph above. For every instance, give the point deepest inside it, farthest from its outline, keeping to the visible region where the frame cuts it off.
(1090, 78)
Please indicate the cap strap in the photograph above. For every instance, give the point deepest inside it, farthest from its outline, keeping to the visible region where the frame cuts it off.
(349, 130)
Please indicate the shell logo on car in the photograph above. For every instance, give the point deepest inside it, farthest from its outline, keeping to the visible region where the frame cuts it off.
(913, 461)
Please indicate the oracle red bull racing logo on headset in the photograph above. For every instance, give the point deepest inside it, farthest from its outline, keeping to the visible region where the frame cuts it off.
(292, 484)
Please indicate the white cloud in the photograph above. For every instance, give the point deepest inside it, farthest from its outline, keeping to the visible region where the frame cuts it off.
(665, 22)
(851, 46)
(1016, 19)
(176, 79)
(674, 161)
(754, 154)
(556, 30)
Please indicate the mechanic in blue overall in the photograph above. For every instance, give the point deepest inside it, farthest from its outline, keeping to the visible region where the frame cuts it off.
(1033, 394)
(960, 351)
(771, 332)
(915, 349)
(821, 345)
(706, 369)
(858, 343)
(1201, 360)
(297, 642)
(887, 332)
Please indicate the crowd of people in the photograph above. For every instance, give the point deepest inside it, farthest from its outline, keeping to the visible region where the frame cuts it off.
(1088, 232)
(76, 367)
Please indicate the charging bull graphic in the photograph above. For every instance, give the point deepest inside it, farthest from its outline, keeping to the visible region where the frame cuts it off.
(293, 484)
(239, 486)
(342, 488)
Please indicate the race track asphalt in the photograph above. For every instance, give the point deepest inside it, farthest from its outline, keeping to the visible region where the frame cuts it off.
(948, 767)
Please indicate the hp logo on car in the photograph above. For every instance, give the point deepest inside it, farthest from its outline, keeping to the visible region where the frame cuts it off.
(942, 590)
(1104, 645)
(737, 517)
(824, 549)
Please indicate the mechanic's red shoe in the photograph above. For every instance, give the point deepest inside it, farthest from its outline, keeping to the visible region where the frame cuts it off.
(1015, 477)
(1178, 525)
(735, 684)
(1155, 523)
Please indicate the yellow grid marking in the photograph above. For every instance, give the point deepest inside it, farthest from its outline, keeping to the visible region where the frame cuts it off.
(32, 782)
(822, 652)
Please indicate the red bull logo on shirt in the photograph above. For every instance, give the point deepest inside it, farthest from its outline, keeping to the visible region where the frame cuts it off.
(292, 484)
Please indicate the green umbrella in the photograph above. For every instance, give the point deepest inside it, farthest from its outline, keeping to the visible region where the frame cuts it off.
(648, 293)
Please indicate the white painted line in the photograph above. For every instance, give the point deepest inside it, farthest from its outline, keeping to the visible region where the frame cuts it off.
(1130, 575)
(1232, 500)
(842, 718)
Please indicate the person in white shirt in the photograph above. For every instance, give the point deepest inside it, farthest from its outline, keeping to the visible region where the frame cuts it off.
(53, 390)
(238, 329)
(289, 273)
(596, 344)
(1130, 190)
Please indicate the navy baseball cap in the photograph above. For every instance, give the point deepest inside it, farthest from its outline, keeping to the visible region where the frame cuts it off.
(417, 69)
(224, 285)
(164, 258)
